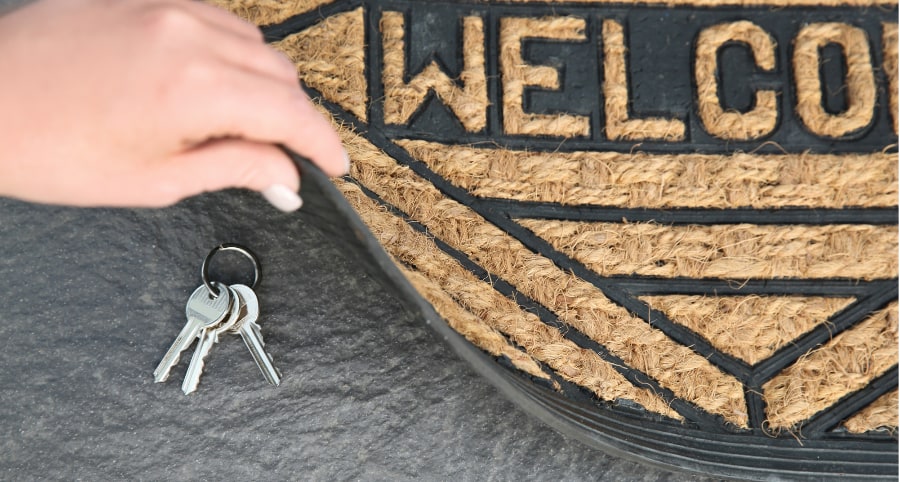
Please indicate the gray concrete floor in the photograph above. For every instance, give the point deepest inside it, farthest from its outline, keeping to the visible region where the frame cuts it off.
(91, 298)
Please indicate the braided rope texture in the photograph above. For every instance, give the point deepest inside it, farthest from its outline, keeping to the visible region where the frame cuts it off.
(737, 270)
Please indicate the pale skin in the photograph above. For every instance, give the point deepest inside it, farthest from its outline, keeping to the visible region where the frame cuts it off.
(147, 102)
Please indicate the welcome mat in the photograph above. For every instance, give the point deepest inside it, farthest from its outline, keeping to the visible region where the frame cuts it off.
(670, 226)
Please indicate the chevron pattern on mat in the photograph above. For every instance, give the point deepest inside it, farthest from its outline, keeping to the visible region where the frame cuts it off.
(687, 212)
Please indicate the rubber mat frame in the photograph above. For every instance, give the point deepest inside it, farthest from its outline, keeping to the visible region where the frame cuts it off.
(620, 430)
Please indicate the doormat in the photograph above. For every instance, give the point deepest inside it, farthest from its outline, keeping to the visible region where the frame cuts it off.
(668, 229)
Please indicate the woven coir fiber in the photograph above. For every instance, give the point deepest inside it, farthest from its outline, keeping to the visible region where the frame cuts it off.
(679, 211)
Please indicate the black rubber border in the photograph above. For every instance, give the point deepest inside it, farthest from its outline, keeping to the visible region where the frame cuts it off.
(704, 444)
(870, 296)
(624, 433)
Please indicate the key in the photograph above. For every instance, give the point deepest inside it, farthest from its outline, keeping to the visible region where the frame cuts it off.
(250, 332)
(202, 310)
(209, 336)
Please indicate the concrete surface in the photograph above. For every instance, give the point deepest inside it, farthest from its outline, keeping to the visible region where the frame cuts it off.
(91, 298)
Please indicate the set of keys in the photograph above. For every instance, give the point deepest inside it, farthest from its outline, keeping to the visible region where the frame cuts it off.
(214, 310)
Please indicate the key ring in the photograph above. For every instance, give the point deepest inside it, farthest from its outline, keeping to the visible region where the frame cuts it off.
(204, 270)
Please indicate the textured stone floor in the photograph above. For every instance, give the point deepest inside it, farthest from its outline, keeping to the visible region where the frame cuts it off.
(91, 298)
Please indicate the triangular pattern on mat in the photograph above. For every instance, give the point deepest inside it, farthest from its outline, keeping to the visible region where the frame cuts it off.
(750, 328)
(329, 58)
(880, 415)
(847, 363)
(642, 245)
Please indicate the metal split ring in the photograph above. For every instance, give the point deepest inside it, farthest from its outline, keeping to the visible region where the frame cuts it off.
(204, 270)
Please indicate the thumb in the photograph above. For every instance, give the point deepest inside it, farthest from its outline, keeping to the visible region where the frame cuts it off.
(228, 163)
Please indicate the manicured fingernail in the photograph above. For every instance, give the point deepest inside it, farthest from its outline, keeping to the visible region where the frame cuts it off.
(346, 163)
(283, 197)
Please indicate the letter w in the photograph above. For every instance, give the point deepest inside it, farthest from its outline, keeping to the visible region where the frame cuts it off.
(468, 101)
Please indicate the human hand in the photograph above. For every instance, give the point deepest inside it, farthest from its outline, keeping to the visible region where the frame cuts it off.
(146, 102)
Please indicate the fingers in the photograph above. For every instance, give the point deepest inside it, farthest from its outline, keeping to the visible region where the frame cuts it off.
(220, 18)
(255, 95)
(247, 92)
(236, 163)
(254, 56)
(312, 135)
(265, 110)
(227, 37)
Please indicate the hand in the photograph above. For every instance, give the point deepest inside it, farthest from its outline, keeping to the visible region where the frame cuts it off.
(146, 102)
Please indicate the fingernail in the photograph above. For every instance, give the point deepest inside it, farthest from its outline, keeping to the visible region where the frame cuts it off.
(283, 197)
(346, 163)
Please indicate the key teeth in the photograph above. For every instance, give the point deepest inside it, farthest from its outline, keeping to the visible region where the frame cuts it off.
(173, 355)
(191, 381)
(247, 328)
(162, 374)
(190, 387)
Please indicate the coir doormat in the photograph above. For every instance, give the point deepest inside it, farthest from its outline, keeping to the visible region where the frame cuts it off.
(670, 226)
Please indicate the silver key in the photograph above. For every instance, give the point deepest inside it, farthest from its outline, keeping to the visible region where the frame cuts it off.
(209, 336)
(250, 332)
(202, 310)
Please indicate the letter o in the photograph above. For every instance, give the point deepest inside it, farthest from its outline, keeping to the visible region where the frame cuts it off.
(860, 79)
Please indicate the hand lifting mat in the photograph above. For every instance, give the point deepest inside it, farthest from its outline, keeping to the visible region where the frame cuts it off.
(667, 228)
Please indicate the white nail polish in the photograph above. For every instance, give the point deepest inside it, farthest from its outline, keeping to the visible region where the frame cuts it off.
(346, 163)
(283, 198)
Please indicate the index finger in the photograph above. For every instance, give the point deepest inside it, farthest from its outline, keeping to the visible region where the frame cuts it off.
(260, 108)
